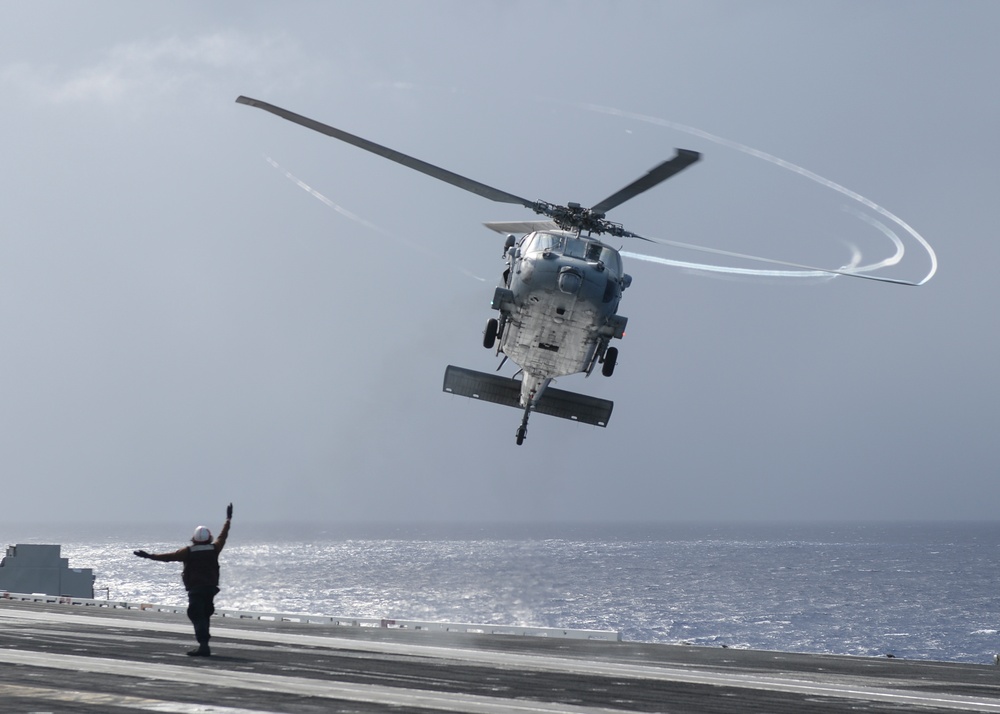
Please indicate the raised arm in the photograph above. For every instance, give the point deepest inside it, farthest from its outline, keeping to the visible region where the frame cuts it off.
(220, 542)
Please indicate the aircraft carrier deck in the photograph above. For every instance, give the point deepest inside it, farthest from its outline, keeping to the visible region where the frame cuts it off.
(67, 658)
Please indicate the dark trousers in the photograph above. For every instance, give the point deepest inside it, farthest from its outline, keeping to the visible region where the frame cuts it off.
(201, 607)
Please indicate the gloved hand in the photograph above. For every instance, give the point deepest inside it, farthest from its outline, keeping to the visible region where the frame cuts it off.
(140, 553)
(229, 511)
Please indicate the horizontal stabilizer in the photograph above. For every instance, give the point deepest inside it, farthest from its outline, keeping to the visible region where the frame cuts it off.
(504, 390)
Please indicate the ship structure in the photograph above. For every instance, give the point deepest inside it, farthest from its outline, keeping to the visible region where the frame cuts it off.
(31, 568)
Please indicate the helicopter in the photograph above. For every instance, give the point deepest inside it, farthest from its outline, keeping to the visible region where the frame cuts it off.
(562, 285)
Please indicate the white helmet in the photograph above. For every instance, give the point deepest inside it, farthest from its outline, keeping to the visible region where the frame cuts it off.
(202, 535)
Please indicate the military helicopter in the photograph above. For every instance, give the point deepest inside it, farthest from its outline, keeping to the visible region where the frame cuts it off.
(558, 305)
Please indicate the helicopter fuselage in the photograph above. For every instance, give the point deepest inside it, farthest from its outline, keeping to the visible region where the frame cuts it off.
(558, 307)
(559, 302)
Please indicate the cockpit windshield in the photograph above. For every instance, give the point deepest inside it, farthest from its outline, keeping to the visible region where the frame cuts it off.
(540, 242)
(612, 261)
(592, 251)
(576, 248)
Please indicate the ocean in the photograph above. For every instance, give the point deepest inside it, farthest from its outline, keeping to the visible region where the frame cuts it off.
(920, 591)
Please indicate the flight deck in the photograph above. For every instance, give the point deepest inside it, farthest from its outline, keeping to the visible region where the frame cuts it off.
(66, 658)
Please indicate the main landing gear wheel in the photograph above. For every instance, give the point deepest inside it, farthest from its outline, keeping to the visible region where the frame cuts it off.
(490, 333)
(610, 360)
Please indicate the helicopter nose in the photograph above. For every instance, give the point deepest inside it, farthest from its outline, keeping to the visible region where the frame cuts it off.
(570, 280)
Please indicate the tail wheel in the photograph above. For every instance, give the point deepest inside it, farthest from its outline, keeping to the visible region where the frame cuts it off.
(490, 333)
(610, 360)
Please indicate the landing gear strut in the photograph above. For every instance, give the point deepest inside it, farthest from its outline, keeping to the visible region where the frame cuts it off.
(522, 431)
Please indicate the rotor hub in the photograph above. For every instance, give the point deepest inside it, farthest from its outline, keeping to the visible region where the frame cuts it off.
(574, 217)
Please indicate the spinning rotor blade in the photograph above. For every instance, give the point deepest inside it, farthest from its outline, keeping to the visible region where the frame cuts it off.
(681, 161)
(772, 261)
(437, 172)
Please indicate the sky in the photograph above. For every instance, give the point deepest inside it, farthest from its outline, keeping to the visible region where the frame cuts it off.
(202, 303)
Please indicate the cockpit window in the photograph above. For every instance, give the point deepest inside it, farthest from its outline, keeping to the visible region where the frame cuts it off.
(576, 248)
(590, 250)
(611, 259)
(544, 241)
(594, 252)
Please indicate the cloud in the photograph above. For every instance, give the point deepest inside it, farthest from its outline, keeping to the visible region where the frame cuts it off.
(154, 67)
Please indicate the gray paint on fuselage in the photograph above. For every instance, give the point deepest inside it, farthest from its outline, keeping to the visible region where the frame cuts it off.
(554, 332)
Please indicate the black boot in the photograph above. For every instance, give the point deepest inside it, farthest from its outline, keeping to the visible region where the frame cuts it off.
(201, 651)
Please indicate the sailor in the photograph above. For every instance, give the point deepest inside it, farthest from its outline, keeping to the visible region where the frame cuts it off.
(201, 577)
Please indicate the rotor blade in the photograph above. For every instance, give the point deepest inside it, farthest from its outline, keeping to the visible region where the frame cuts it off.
(681, 161)
(521, 226)
(437, 172)
(772, 261)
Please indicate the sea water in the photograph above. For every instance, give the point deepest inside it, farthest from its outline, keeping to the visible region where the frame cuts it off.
(922, 591)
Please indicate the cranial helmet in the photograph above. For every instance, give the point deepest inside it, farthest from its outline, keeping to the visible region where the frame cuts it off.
(201, 535)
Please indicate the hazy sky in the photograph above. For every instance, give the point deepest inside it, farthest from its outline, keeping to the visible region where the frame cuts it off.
(183, 325)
